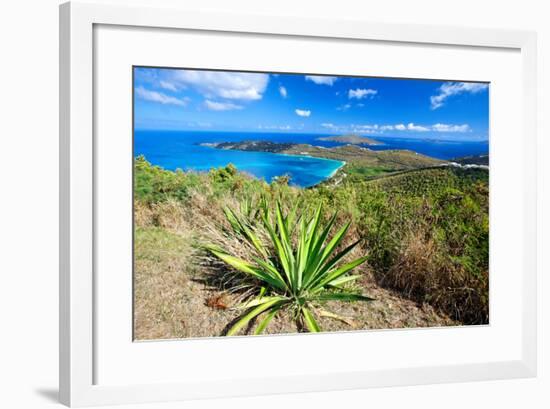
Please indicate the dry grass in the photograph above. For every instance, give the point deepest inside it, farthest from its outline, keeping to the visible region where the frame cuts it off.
(420, 275)
(178, 293)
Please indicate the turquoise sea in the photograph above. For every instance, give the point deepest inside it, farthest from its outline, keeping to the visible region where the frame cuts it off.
(181, 149)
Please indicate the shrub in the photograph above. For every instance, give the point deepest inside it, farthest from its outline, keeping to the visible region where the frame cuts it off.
(153, 184)
(430, 240)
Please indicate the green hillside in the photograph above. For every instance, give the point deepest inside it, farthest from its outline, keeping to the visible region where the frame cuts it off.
(432, 180)
(426, 231)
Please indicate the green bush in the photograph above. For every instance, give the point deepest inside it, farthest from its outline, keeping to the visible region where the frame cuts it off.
(440, 215)
(154, 184)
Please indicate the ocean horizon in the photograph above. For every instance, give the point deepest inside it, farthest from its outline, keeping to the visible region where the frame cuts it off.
(182, 150)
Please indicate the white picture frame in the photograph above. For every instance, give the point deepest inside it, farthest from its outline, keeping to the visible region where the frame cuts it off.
(78, 386)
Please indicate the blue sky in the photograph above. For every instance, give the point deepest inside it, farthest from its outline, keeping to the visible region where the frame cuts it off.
(178, 99)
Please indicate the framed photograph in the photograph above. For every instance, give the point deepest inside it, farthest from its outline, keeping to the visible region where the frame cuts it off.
(255, 204)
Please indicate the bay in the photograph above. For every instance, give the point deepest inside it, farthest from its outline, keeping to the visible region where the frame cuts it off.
(182, 150)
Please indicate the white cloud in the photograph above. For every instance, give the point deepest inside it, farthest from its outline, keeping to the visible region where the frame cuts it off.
(321, 79)
(282, 91)
(449, 89)
(352, 128)
(168, 85)
(411, 127)
(159, 97)
(451, 128)
(220, 84)
(370, 129)
(303, 112)
(361, 93)
(221, 106)
(275, 127)
(417, 128)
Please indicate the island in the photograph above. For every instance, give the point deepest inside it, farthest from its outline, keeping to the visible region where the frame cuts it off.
(351, 139)
(253, 146)
(354, 156)
(482, 160)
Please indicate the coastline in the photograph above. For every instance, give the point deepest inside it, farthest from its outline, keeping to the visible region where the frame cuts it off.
(325, 179)
(330, 176)
(335, 171)
(308, 156)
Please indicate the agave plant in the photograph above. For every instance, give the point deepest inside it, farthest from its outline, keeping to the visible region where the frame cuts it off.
(296, 268)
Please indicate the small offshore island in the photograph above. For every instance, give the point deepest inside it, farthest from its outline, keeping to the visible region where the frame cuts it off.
(351, 139)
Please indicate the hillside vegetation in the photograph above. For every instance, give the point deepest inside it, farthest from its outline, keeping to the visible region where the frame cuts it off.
(425, 232)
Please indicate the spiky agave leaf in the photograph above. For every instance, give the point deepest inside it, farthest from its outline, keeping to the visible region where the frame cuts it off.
(298, 269)
(265, 322)
(341, 296)
(254, 312)
(243, 228)
(331, 275)
(309, 320)
(248, 268)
